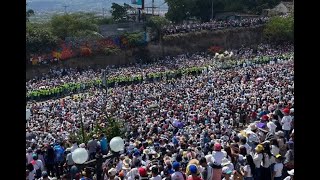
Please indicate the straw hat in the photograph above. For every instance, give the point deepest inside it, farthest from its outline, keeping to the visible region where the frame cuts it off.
(194, 161)
(126, 163)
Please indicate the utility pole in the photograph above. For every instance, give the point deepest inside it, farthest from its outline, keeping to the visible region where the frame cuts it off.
(65, 8)
(152, 7)
(103, 12)
(81, 120)
(211, 10)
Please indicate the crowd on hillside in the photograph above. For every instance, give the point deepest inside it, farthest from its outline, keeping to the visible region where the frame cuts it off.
(213, 25)
(60, 76)
(221, 124)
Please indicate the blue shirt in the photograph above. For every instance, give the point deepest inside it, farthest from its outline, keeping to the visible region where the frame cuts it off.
(104, 144)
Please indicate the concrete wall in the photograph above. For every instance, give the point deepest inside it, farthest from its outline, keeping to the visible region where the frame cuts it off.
(201, 41)
(174, 45)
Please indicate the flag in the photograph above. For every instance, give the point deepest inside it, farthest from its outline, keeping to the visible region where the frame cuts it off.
(139, 2)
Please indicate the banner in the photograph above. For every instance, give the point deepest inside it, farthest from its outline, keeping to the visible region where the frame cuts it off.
(139, 2)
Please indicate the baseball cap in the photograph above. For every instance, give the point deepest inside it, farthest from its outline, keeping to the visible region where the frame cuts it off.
(193, 169)
(278, 156)
(175, 165)
(142, 171)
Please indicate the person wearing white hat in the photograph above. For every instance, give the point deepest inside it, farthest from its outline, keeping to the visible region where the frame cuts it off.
(291, 175)
(112, 173)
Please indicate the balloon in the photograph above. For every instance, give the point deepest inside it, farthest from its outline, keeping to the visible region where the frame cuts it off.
(117, 144)
(80, 155)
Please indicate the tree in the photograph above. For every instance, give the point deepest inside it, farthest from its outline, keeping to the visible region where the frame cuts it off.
(74, 25)
(178, 10)
(203, 9)
(280, 29)
(156, 23)
(134, 39)
(120, 13)
(112, 129)
(39, 39)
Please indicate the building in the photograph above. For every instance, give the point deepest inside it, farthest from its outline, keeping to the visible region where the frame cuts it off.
(281, 9)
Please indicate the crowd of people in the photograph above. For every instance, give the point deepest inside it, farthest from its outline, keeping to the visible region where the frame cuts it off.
(58, 77)
(213, 25)
(232, 123)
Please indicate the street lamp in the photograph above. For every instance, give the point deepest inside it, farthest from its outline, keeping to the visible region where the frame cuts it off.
(80, 155)
(81, 120)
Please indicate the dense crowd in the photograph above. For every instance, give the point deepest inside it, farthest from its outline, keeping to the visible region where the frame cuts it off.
(222, 123)
(59, 77)
(213, 25)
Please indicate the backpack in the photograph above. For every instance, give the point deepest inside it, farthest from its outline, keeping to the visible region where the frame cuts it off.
(59, 154)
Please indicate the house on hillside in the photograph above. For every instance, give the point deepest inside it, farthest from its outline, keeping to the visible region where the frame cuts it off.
(281, 9)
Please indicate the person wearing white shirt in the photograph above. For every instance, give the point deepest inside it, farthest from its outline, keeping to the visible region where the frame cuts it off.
(257, 159)
(266, 162)
(217, 157)
(274, 147)
(286, 123)
(277, 169)
(244, 143)
(248, 170)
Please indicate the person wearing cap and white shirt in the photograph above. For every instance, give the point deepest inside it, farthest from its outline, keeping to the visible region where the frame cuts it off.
(217, 157)
(291, 175)
(286, 123)
(277, 169)
(257, 159)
